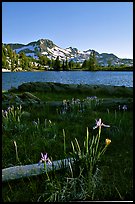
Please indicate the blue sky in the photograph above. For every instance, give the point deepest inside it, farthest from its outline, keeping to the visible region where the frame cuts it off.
(102, 26)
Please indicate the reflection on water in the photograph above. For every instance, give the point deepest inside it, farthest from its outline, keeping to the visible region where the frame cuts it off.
(14, 79)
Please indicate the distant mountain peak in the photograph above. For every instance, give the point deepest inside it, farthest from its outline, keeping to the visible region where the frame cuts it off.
(51, 50)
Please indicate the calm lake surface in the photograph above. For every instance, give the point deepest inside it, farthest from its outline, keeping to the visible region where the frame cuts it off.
(119, 78)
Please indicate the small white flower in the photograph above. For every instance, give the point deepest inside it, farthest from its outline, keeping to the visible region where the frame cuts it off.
(124, 107)
(4, 113)
(64, 101)
(9, 108)
(99, 124)
(50, 121)
(34, 123)
(91, 97)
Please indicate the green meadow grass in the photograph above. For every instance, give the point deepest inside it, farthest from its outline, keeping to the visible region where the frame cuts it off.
(42, 131)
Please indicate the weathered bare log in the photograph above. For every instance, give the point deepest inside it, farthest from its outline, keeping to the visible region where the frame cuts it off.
(18, 172)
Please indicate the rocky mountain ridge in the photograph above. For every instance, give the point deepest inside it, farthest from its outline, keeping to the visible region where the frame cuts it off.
(51, 50)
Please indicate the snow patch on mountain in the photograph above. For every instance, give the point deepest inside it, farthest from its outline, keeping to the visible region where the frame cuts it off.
(29, 47)
(44, 53)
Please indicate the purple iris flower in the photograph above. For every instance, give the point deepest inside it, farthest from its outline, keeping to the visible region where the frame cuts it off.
(44, 158)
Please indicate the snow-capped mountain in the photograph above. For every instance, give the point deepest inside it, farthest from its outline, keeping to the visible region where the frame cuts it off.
(48, 48)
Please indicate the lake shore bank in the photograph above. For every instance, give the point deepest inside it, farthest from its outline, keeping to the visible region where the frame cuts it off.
(84, 70)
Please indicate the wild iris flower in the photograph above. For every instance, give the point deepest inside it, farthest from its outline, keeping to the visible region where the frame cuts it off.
(4, 113)
(44, 158)
(99, 124)
(124, 107)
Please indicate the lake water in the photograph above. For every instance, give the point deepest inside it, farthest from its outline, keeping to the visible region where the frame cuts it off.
(119, 78)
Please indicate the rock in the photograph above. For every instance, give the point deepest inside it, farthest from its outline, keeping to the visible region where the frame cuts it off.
(35, 86)
(58, 88)
(27, 95)
(24, 99)
(18, 100)
(91, 89)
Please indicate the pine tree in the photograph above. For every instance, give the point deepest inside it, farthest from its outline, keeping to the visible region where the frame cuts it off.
(92, 62)
(4, 63)
(52, 63)
(63, 65)
(71, 64)
(77, 65)
(57, 64)
(24, 61)
(85, 64)
(9, 51)
(66, 64)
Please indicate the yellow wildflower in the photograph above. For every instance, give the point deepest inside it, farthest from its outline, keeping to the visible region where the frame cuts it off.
(107, 141)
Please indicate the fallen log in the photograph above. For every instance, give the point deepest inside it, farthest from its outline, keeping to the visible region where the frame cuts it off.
(22, 171)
